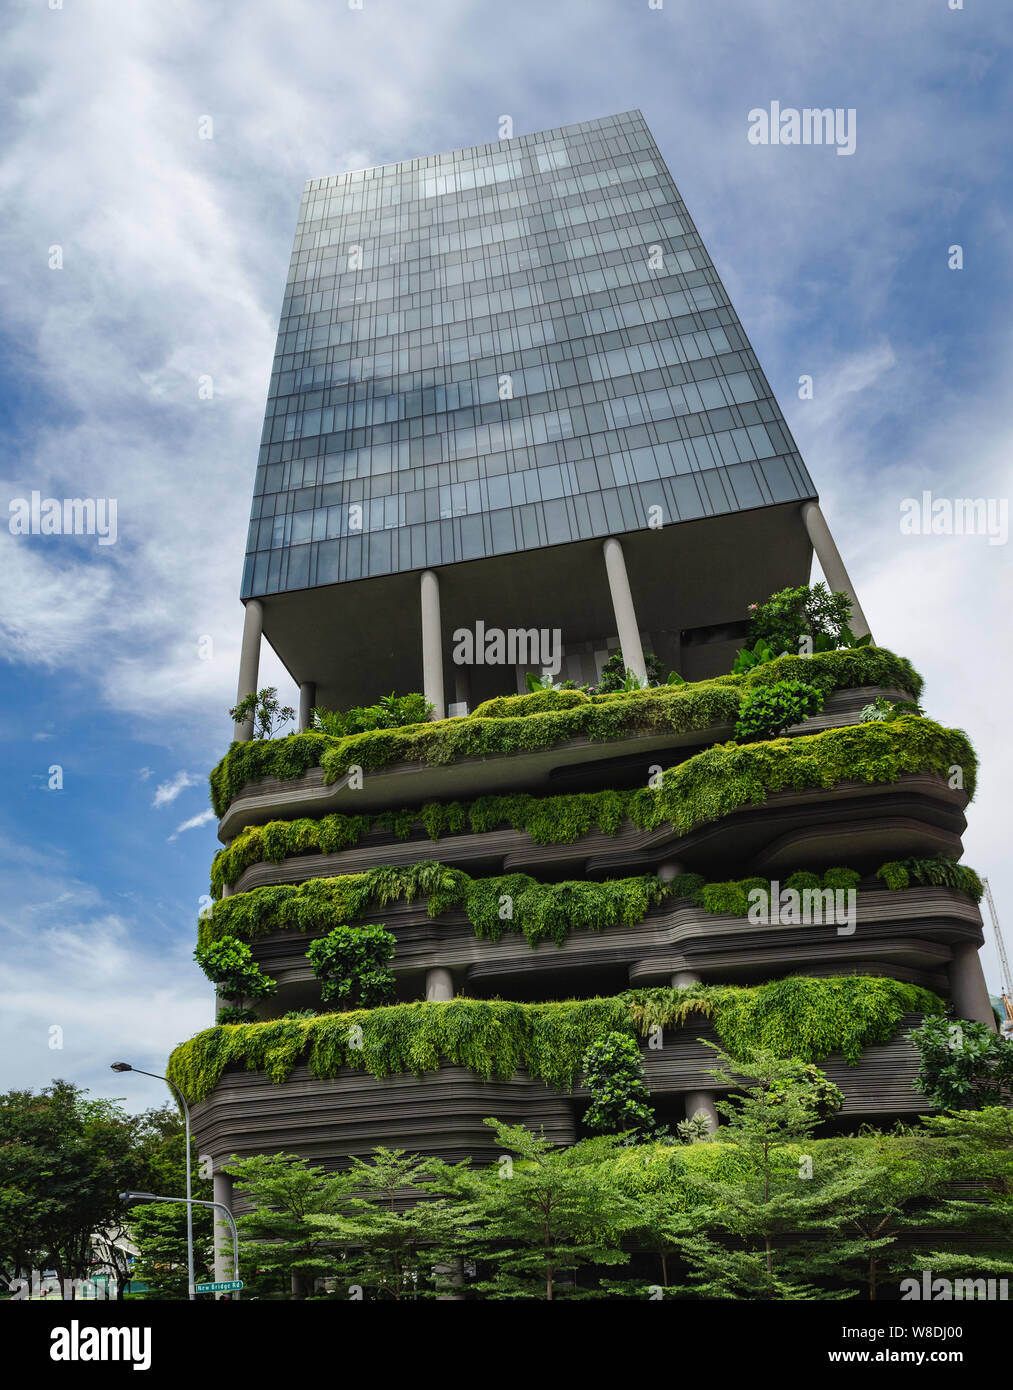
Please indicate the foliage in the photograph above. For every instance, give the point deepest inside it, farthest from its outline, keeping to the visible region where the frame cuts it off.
(798, 1017)
(769, 710)
(788, 616)
(938, 872)
(616, 675)
(881, 710)
(229, 962)
(614, 1074)
(964, 1064)
(748, 658)
(701, 790)
(352, 963)
(390, 712)
(671, 708)
(269, 717)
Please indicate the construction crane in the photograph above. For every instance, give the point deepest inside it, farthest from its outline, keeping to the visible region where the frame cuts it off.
(1007, 980)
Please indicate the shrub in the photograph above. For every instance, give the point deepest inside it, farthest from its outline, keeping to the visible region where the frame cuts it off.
(802, 879)
(841, 878)
(791, 614)
(390, 712)
(614, 1074)
(229, 963)
(768, 711)
(269, 717)
(351, 963)
(964, 1065)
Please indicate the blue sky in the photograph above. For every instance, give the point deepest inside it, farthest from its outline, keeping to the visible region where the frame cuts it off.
(175, 251)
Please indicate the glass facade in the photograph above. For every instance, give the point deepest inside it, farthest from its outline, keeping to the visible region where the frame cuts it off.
(510, 346)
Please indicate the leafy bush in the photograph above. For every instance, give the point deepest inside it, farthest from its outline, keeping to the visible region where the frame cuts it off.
(351, 963)
(841, 878)
(936, 872)
(390, 712)
(964, 1064)
(614, 1074)
(790, 614)
(228, 962)
(771, 709)
(802, 879)
(615, 674)
(234, 1015)
(881, 710)
(536, 702)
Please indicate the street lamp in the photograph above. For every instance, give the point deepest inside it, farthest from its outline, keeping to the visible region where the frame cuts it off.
(191, 1203)
(125, 1066)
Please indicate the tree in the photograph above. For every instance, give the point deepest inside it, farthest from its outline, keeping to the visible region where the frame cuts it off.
(542, 1213)
(64, 1159)
(393, 1233)
(269, 717)
(281, 1239)
(788, 616)
(158, 1229)
(614, 1074)
(782, 1215)
(229, 962)
(964, 1064)
(351, 962)
(770, 709)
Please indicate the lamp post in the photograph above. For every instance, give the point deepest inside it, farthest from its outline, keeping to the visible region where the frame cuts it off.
(125, 1066)
(191, 1203)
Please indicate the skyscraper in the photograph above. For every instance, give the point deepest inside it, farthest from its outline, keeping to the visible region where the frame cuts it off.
(515, 425)
(489, 362)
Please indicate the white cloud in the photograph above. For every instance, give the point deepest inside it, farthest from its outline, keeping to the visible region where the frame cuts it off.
(166, 792)
(204, 818)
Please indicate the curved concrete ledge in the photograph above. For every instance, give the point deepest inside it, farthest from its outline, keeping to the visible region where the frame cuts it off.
(916, 815)
(441, 1113)
(408, 784)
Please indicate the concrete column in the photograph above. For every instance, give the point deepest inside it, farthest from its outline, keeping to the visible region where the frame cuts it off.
(967, 985)
(432, 644)
(669, 870)
(307, 699)
(439, 983)
(702, 1100)
(831, 564)
(622, 603)
(223, 1235)
(249, 664)
(682, 978)
(462, 685)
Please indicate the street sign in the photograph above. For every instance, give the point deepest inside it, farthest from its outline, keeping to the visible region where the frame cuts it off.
(230, 1286)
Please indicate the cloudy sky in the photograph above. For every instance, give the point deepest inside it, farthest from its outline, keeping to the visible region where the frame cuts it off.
(174, 251)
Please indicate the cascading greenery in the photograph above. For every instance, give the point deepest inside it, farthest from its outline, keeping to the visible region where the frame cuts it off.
(509, 902)
(711, 784)
(799, 1017)
(547, 721)
(935, 872)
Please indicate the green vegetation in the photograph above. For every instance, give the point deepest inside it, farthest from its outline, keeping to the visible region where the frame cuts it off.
(613, 1069)
(352, 963)
(268, 715)
(938, 872)
(712, 784)
(390, 712)
(964, 1064)
(789, 617)
(667, 709)
(771, 709)
(507, 902)
(228, 962)
(799, 1017)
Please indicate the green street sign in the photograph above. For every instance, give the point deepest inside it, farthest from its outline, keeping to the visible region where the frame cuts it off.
(230, 1286)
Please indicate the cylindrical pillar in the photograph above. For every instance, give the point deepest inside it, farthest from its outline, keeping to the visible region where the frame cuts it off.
(622, 603)
(669, 870)
(682, 978)
(307, 699)
(249, 665)
(432, 644)
(439, 983)
(702, 1100)
(222, 1184)
(967, 985)
(831, 563)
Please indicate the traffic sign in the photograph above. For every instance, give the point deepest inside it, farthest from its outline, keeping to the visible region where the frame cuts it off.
(229, 1286)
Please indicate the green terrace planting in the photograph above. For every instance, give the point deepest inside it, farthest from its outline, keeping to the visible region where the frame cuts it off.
(545, 718)
(537, 911)
(799, 1017)
(713, 783)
